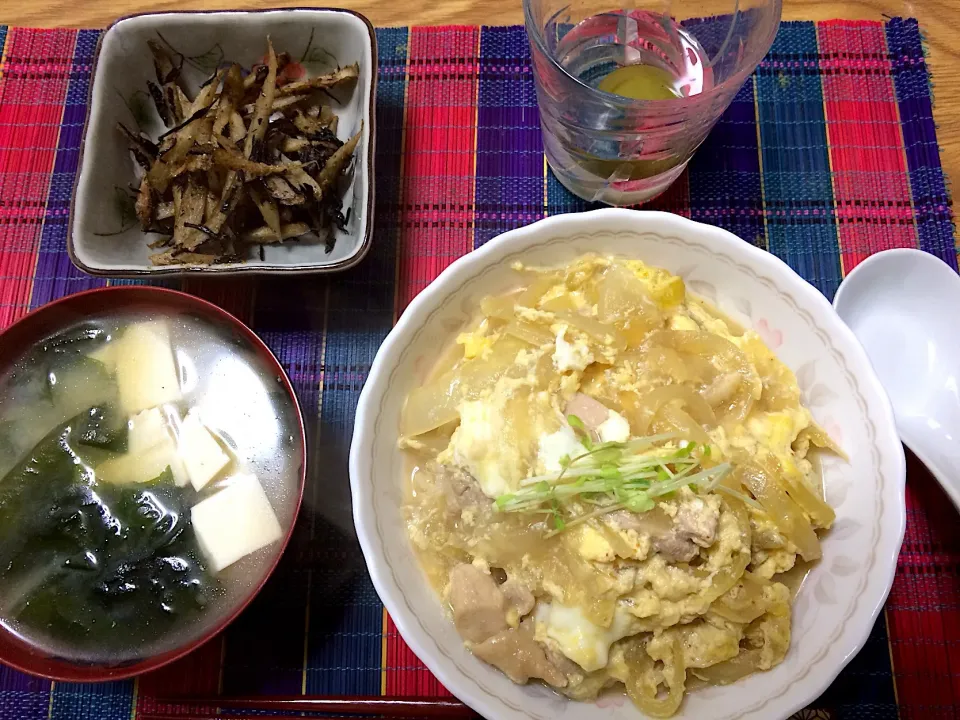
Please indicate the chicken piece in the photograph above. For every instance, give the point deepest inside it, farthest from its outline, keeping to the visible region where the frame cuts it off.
(697, 522)
(765, 536)
(581, 685)
(674, 547)
(695, 526)
(679, 539)
(461, 489)
(519, 656)
(519, 598)
(654, 523)
(479, 606)
(592, 412)
(575, 674)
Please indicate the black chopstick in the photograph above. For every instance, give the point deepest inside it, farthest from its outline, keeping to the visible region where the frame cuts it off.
(393, 707)
(221, 716)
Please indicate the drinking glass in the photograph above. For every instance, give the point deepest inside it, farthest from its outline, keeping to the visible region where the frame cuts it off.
(626, 95)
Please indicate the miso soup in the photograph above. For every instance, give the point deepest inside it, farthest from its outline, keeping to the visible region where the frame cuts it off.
(149, 470)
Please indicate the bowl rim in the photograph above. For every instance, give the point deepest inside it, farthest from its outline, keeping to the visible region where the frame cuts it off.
(87, 673)
(368, 117)
(407, 323)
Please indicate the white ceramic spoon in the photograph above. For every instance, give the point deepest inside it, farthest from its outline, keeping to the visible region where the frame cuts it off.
(904, 307)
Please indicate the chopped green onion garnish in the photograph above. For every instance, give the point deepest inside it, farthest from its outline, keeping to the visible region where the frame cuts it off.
(581, 431)
(613, 476)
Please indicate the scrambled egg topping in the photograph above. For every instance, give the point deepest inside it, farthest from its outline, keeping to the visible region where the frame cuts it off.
(695, 580)
(581, 640)
(665, 288)
(497, 435)
(571, 356)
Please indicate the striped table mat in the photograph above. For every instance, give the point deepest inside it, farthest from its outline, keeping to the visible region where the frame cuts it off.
(827, 154)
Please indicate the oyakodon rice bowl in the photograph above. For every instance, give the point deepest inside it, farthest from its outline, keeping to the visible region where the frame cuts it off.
(578, 504)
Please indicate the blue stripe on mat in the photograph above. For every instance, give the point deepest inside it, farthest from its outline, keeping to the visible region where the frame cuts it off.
(725, 187)
(865, 689)
(560, 200)
(263, 652)
(509, 188)
(346, 615)
(323, 615)
(263, 648)
(98, 701)
(22, 697)
(911, 81)
(798, 193)
(344, 644)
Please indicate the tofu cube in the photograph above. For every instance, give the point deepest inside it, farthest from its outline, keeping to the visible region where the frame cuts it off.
(106, 354)
(146, 429)
(151, 449)
(143, 466)
(147, 374)
(200, 452)
(235, 522)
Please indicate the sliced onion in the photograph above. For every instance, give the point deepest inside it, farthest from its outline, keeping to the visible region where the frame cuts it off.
(743, 603)
(641, 411)
(601, 332)
(436, 403)
(822, 514)
(746, 663)
(501, 307)
(785, 513)
(530, 296)
(532, 333)
(643, 685)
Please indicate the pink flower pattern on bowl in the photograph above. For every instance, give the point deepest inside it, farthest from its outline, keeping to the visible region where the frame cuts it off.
(832, 428)
(772, 337)
(611, 700)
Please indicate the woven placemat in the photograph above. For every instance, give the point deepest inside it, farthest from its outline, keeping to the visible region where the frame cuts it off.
(828, 154)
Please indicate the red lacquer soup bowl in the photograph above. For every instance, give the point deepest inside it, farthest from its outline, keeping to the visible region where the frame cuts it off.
(237, 497)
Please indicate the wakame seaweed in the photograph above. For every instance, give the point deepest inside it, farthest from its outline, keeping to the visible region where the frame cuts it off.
(71, 346)
(78, 558)
(7, 445)
(103, 428)
(81, 335)
(36, 375)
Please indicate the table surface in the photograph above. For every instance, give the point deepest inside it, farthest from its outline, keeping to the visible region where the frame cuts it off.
(939, 20)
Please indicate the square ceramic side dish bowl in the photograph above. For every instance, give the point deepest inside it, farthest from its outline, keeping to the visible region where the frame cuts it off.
(105, 237)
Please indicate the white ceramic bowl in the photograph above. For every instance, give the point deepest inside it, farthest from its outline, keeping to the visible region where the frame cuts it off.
(104, 237)
(840, 600)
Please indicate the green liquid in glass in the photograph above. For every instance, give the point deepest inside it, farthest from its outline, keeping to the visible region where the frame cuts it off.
(641, 82)
(637, 82)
